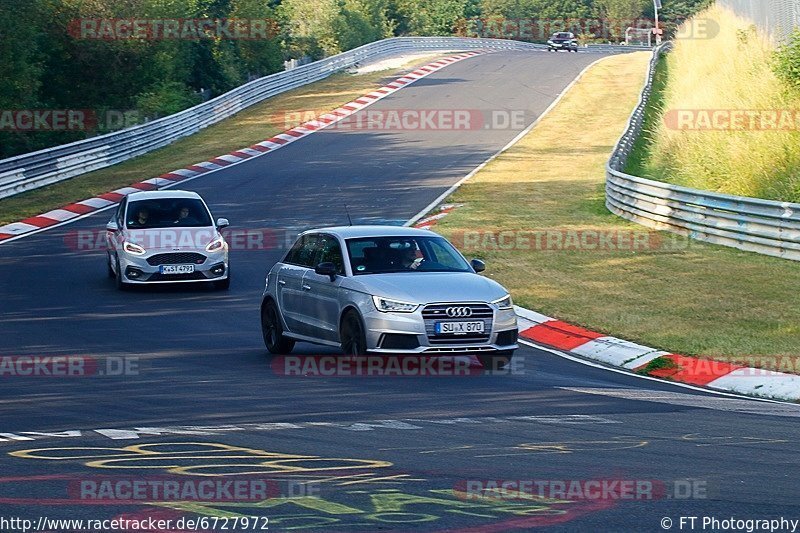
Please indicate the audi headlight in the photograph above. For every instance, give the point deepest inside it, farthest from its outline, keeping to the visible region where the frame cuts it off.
(504, 302)
(133, 249)
(386, 305)
(216, 244)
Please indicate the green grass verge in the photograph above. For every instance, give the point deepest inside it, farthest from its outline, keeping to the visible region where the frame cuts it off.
(698, 134)
(660, 363)
(640, 152)
(672, 294)
(248, 127)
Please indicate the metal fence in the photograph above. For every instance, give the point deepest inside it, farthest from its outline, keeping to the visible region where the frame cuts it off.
(776, 17)
(751, 224)
(37, 169)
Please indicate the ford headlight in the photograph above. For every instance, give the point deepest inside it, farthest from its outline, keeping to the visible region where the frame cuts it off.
(133, 249)
(217, 244)
(386, 305)
(504, 302)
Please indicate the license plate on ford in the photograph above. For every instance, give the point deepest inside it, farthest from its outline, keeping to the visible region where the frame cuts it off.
(177, 269)
(458, 328)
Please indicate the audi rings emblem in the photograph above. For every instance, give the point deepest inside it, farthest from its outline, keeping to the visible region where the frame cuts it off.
(458, 312)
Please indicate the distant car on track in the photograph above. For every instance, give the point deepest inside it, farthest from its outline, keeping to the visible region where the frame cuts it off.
(563, 40)
(166, 237)
(386, 289)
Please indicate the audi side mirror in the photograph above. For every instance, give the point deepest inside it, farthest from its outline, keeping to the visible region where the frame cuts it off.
(326, 269)
(478, 265)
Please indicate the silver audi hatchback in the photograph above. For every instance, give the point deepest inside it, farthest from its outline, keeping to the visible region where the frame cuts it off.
(386, 289)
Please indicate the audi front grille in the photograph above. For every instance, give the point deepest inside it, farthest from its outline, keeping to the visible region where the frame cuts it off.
(439, 311)
(458, 312)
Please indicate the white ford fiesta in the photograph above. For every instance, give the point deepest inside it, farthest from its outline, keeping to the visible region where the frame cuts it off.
(166, 237)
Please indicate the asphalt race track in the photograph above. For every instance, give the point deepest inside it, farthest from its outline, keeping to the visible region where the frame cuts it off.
(201, 398)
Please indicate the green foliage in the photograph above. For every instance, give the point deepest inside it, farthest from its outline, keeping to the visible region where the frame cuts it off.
(429, 17)
(538, 9)
(48, 65)
(166, 98)
(786, 63)
(311, 26)
(361, 22)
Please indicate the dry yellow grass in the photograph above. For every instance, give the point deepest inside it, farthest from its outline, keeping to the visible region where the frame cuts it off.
(697, 299)
(729, 72)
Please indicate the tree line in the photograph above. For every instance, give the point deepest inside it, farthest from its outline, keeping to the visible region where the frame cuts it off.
(86, 54)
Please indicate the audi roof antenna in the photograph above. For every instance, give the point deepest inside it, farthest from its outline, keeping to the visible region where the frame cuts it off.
(349, 220)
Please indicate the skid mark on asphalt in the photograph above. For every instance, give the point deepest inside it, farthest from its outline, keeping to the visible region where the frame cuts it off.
(533, 448)
(754, 407)
(403, 424)
(353, 508)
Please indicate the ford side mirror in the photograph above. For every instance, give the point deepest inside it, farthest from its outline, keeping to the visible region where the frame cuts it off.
(112, 226)
(222, 223)
(478, 265)
(326, 269)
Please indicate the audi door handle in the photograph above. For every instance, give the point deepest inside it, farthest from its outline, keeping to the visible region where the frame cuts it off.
(306, 287)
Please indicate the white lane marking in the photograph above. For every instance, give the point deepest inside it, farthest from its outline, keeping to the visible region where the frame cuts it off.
(368, 425)
(511, 143)
(691, 400)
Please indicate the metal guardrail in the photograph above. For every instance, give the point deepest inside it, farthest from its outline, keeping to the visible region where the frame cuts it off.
(615, 48)
(755, 225)
(777, 18)
(37, 169)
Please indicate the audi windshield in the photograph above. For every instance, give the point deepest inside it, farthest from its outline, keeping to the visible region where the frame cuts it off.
(383, 255)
